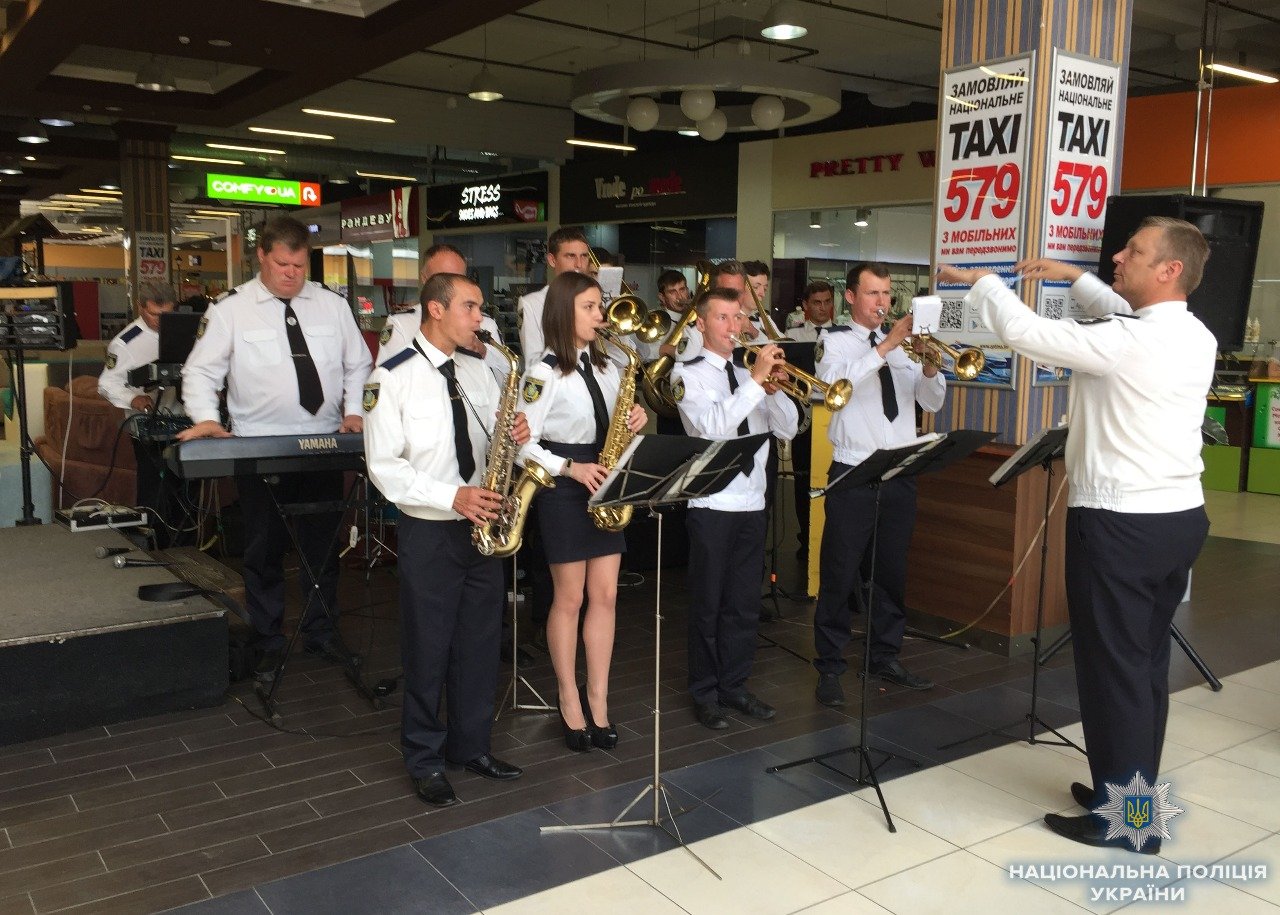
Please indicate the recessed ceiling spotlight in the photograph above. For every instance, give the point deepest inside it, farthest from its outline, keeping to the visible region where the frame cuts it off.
(57, 122)
(33, 132)
(219, 43)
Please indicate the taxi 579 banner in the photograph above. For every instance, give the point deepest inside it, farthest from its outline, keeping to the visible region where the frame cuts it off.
(984, 139)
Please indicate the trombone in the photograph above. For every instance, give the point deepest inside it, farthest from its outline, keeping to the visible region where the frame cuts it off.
(801, 385)
(967, 363)
(628, 314)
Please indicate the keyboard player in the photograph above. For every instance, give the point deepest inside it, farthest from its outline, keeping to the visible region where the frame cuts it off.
(293, 363)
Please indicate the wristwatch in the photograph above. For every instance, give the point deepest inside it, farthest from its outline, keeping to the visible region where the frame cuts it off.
(568, 465)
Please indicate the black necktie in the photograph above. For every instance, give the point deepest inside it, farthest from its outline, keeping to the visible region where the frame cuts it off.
(597, 398)
(743, 428)
(888, 396)
(461, 437)
(310, 393)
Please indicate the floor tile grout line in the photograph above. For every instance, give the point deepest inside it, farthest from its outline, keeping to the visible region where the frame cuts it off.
(452, 885)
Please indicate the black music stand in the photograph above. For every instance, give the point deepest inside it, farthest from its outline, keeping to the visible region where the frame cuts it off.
(658, 470)
(928, 454)
(1041, 451)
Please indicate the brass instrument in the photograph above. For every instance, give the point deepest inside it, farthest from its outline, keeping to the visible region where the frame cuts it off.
(766, 322)
(619, 436)
(655, 380)
(968, 363)
(801, 385)
(502, 536)
(627, 314)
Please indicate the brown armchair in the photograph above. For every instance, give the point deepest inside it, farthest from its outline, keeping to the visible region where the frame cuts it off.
(95, 432)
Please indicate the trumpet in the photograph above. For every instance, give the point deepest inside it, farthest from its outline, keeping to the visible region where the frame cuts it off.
(968, 363)
(801, 385)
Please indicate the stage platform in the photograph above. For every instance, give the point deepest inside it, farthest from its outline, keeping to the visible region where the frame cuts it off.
(79, 649)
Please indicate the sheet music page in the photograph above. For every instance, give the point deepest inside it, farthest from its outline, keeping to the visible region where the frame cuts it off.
(694, 467)
(930, 438)
(610, 280)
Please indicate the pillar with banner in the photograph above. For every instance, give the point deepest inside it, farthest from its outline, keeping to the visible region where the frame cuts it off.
(1030, 132)
(144, 186)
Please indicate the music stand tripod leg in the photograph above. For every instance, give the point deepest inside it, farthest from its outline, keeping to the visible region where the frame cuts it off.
(513, 688)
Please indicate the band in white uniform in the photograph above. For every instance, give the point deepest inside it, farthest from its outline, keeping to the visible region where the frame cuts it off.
(567, 252)
(718, 400)
(428, 413)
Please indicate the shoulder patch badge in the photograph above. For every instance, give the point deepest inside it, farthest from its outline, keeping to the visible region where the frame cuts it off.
(818, 349)
(533, 389)
(682, 345)
(385, 337)
(677, 390)
(204, 322)
(370, 399)
(519, 319)
(112, 360)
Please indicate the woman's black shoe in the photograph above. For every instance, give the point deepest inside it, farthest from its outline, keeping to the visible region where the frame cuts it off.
(606, 738)
(577, 739)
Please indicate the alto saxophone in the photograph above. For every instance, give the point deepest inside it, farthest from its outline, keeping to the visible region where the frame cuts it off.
(502, 536)
(615, 518)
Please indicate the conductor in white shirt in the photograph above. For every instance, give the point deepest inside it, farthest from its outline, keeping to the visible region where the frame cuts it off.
(1141, 369)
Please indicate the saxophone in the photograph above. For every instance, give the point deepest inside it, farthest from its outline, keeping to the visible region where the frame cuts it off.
(615, 518)
(502, 536)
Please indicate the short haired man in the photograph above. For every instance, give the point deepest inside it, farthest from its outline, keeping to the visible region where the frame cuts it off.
(567, 251)
(428, 412)
(1140, 372)
(887, 386)
(294, 363)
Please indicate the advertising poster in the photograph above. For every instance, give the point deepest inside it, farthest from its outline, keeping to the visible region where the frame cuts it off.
(984, 131)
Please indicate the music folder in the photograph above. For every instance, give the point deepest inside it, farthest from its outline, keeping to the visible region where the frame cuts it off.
(1044, 446)
(658, 469)
(927, 454)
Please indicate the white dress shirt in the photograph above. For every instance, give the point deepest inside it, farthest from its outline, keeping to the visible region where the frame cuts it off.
(861, 427)
(561, 408)
(533, 345)
(1137, 393)
(808, 332)
(400, 329)
(135, 346)
(708, 410)
(409, 435)
(243, 342)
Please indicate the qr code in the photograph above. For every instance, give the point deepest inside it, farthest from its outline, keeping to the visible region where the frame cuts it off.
(1052, 307)
(952, 315)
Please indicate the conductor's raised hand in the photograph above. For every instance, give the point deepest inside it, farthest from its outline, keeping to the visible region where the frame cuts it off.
(1044, 268)
(959, 275)
(210, 428)
(589, 475)
(477, 504)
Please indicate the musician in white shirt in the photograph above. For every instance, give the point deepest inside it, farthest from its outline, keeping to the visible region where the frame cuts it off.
(567, 252)
(294, 363)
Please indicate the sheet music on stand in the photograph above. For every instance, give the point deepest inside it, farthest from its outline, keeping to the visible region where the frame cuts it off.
(1045, 445)
(644, 475)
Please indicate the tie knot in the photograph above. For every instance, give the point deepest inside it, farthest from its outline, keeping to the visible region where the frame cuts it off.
(871, 338)
(446, 368)
(585, 361)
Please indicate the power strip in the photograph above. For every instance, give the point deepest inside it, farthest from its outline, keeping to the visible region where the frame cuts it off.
(99, 519)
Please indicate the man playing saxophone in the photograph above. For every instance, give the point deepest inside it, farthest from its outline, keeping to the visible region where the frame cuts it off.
(428, 411)
(718, 400)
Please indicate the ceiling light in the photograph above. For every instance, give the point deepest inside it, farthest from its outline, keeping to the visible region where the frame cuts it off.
(155, 76)
(207, 159)
(1243, 73)
(98, 201)
(33, 132)
(601, 144)
(266, 151)
(10, 168)
(325, 113)
(30, 158)
(815, 219)
(219, 43)
(861, 218)
(110, 192)
(61, 207)
(688, 132)
(219, 212)
(292, 133)
(57, 122)
(782, 22)
(110, 188)
(90, 228)
(387, 177)
(338, 179)
(484, 88)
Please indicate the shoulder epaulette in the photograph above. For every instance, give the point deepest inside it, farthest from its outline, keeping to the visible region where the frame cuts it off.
(400, 358)
(550, 360)
(130, 334)
(468, 352)
(694, 361)
(837, 328)
(1089, 321)
(227, 295)
(1119, 314)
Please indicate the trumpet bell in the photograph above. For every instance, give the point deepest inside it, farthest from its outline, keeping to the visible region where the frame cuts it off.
(626, 314)
(654, 328)
(969, 364)
(838, 394)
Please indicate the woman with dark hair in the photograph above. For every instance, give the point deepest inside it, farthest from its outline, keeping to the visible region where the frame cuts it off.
(568, 399)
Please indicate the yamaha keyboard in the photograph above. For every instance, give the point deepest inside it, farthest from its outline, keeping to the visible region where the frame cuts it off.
(263, 454)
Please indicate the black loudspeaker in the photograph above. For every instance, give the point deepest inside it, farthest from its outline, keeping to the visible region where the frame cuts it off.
(1231, 227)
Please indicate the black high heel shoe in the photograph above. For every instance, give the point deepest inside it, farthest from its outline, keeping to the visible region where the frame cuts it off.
(606, 738)
(577, 739)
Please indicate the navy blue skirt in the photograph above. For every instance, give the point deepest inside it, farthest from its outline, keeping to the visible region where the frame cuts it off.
(568, 532)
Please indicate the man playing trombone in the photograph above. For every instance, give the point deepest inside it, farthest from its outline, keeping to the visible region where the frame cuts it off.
(718, 400)
(887, 385)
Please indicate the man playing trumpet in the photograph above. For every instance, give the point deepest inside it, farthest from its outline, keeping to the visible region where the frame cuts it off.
(887, 386)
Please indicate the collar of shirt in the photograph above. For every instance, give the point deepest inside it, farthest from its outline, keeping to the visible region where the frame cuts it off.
(715, 360)
(262, 294)
(435, 356)
(1160, 309)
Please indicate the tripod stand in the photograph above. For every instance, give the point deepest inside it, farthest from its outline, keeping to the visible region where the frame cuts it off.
(930, 453)
(517, 679)
(657, 470)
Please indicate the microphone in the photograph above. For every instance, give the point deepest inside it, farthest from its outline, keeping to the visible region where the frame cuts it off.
(121, 562)
(103, 552)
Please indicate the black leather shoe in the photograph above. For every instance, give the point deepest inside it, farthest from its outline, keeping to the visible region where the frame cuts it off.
(492, 767)
(606, 738)
(829, 691)
(1083, 795)
(435, 789)
(576, 739)
(1090, 830)
(268, 664)
(711, 716)
(894, 672)
(749, 705)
